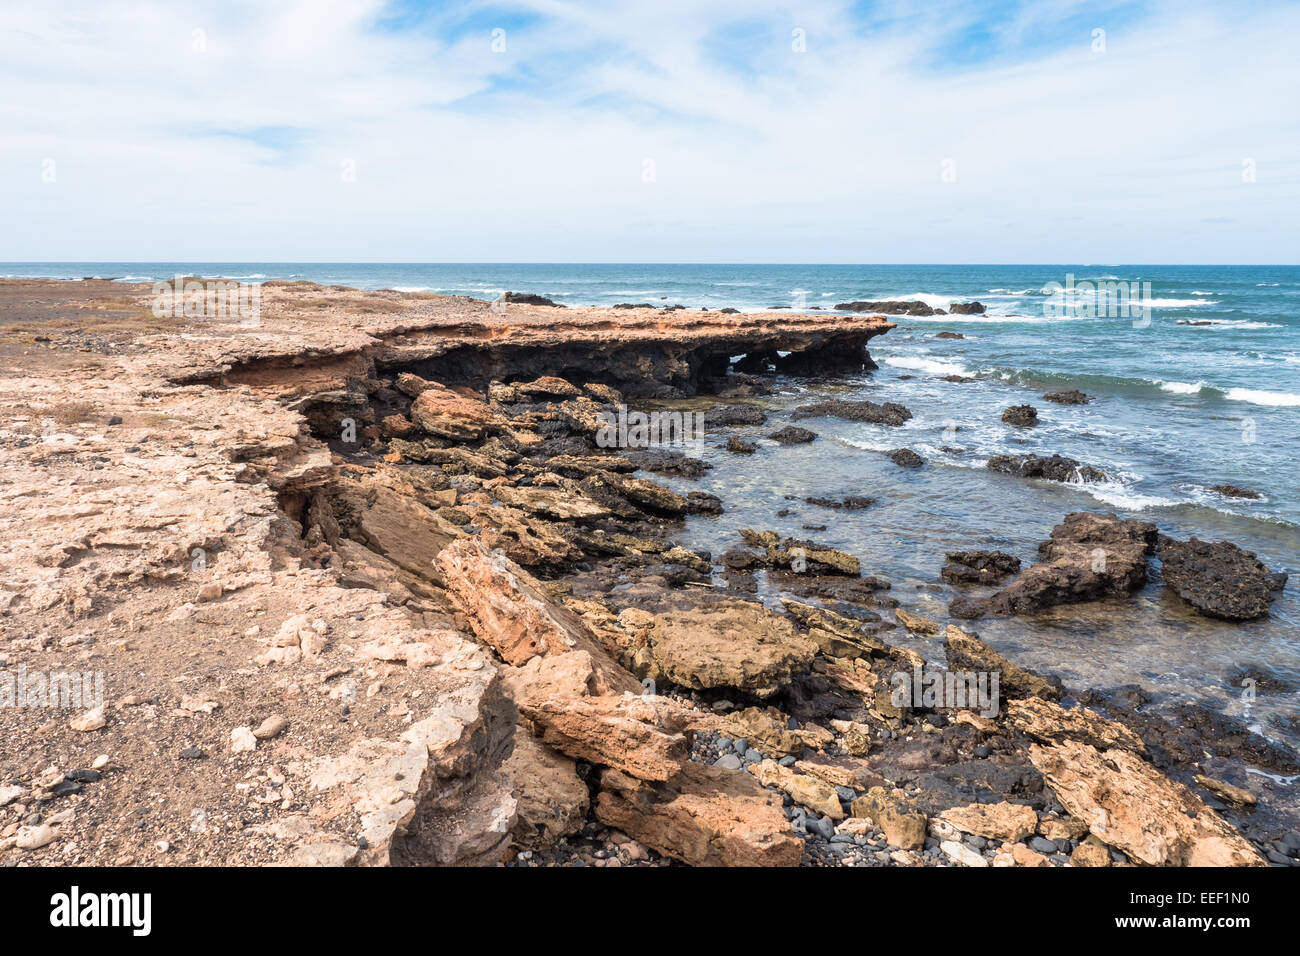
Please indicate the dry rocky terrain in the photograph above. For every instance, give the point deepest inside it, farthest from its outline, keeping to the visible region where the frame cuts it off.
(364, 588)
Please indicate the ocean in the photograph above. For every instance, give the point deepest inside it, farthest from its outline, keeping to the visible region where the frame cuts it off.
(1197, 384)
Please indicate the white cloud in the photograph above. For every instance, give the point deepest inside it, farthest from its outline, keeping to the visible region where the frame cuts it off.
(760, 153)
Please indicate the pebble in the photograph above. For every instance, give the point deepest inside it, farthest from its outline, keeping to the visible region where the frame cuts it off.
(33, 838)
(727, 762)
(273, 726)
(90, 720)
(1042, 845)
(242, 740)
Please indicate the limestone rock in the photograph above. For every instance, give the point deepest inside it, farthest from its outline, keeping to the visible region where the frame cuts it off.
(807, 791)
(1049, 722)
(1131, 805)
(730, 644)
(766, 729)
(641, 736)
(552, 799)
(905, 826)
(704, 817)
(441, 412)
(965, 652)
(1088, 557)
(1008, 822)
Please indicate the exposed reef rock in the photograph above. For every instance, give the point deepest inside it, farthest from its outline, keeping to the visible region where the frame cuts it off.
(1219, 579)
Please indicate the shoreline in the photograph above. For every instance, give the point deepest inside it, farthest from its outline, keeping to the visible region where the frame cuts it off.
(473, 432)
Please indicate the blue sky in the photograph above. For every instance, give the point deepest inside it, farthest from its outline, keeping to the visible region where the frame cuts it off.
(673, 131)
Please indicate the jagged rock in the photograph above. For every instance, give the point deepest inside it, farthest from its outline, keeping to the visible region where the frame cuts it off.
(1130, 805)
(434, 796)
(966, 308)
(1021, 416)
(1009, 822)
(1052, 468)
(738, 446)
(807, 791)
(552, 799)
(965, 652)
(641, 736)
(530, 298)
(1052, 723)
(704, 817)
(906, 458)
(508, 610)
(904, 826)
(554, 503)
(1219, 579)
(887, 307)
(439, 411)
(729, 644)
(834, 634)
(890, 413)
(1089, 556)
(978, 567)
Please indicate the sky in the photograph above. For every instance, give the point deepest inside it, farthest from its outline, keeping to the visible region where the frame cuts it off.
(650, 131)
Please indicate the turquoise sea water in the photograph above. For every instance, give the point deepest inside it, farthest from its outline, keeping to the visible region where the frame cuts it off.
(1178, 408)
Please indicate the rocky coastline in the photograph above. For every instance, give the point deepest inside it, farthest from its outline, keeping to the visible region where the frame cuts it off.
(384, 579)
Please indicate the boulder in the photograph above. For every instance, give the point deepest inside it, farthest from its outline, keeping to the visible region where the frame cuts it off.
(1089, 556)
(904, 826)
(890, 413)
(641, 736)
(732, 644)
(1021, 416)
(1219, 579)
(792, 435)
(811, 792)
(1070, 397)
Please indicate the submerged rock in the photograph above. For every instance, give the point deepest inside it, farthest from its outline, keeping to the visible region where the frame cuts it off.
(1219, 579)
(978, 567)
(1070, 397)
(1052, 468)
(792, 435)
(1233, 491)
(890, 413)
(738, 446)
